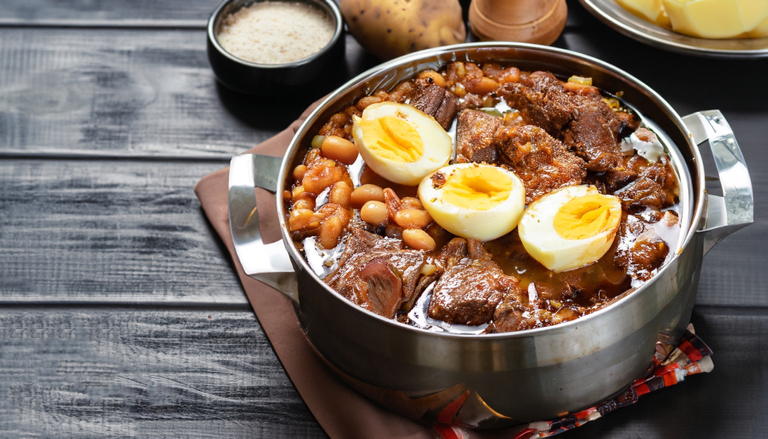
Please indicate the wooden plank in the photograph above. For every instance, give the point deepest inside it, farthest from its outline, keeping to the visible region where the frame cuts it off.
(114, 13)
(139, 93)
(729, 401)
(172, 13)
(130, 93)
(110, 232)
(88, 373)
(99, 373)
(133, 232)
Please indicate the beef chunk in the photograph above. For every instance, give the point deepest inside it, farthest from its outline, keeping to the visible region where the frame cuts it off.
(633, 166)
(427, 96)
(402, 93)
(452, 253)
(540, 160)
(593, 133)
(377, 273)
(628, 123)
(477, 251)
(475, 132)
(654, 188)
(435, 101)
(471, 288)
(382, 287)
(639, 248)
(447, 110)
(513, 314)
(542, 101)
(584, 122)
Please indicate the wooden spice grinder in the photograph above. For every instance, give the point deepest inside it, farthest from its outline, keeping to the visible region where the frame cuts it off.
(538, 21)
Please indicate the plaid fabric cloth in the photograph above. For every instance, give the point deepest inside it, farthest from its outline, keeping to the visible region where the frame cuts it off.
(671, 364)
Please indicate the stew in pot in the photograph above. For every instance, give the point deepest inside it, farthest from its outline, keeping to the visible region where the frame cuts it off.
(484, 199)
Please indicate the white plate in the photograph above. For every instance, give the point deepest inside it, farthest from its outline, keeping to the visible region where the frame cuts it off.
(634, 27)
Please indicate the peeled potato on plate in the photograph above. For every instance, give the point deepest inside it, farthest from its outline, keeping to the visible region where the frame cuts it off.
(391, 28)
(705, 18)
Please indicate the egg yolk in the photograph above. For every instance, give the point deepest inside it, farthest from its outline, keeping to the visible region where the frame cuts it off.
(479, 188)
(392, 138)
(587, 216)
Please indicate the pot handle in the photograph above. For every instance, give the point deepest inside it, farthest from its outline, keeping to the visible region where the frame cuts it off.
(268, 263)
(735, 209)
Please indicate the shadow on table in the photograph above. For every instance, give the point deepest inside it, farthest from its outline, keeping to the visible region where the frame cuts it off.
(264, 113)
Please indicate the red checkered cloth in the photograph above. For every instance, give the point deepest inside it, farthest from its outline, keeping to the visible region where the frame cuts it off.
(671, 364)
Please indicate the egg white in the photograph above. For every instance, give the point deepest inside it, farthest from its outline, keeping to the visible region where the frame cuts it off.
(483, 225)
(546, 245)
(437, 144)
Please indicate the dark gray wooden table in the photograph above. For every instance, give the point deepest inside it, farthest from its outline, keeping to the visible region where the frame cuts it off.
(120, 313)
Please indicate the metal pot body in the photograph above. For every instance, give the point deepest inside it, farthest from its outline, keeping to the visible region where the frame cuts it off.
(531, 375)
(503, 379)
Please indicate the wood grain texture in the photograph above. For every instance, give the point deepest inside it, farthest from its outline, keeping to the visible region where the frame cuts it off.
(97, 373)
(110, 232)
(729, 401)
(146, 13)
(133, 232)
(177, 13)
(130, 93)
(103, 373)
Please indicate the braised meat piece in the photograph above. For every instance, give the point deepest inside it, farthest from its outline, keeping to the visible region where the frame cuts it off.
(452, 253)
(514, 313)
(541, 99)
(593, 133)
(584, 122)
(376, 273)
(639, 248)
(402, 93)
(654, 188)
(633, 166)
(435, 101)
(470, 289)
(475, 133)
(428, 97)
(360, 242)
(628, 123)
(540, 160)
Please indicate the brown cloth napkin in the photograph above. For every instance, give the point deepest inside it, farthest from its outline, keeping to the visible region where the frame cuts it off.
(341, 411)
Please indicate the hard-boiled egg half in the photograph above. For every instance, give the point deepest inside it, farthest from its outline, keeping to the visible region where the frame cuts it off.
(474, 200)
(400, 142)
(571, 227)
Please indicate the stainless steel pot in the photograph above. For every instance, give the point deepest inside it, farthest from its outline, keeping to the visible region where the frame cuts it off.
(502, 379)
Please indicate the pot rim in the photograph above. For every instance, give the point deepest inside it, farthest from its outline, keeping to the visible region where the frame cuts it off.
(694, 222)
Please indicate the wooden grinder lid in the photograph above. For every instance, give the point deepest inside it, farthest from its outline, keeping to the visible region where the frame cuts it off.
(538, 22)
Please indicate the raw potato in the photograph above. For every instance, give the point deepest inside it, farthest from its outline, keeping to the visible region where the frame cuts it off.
(705, 18)
(646, 9)
(761, 30)
(715, 18)
(391, 28)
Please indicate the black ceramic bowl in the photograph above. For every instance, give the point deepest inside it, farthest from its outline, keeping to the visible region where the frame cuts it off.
(274, 79)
